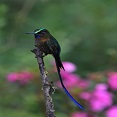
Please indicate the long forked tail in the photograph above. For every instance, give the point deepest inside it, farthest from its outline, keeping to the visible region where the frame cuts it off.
(59, 66)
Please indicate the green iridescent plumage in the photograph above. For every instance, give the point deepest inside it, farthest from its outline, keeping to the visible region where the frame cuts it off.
(38, 30)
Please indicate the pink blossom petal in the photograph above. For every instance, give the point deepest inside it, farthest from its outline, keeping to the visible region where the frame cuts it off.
(112, 80)
(101, 86)
(96, 105)
(73, 80)
(100, 100)
(66, 75)
(69, 66)
(112, 112)
(69, 80)
(22, 77)
(85, 95)
(83, 84)
(12, 77)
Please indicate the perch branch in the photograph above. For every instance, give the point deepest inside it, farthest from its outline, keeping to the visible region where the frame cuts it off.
(45, 83)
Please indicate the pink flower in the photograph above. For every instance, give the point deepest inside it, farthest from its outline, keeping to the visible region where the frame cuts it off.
(70, 80)
(83, 84)
(100, 99)
(112, 112)
(12, 77)
(85, 95)
(101, 86)
(112, 80)
(79, 114)
(66, 75)
(69, 67)
(22, 77)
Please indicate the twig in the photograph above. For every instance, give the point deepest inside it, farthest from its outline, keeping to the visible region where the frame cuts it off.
(45, 83)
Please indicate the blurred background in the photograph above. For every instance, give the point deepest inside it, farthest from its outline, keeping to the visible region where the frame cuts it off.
(86, 31)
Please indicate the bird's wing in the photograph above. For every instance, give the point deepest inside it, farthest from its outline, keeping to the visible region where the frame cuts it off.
(54, 46)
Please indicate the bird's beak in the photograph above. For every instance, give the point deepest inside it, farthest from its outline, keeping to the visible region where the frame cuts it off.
(30, 33)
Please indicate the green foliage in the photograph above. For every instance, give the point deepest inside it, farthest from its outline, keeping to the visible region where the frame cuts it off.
(18, 113)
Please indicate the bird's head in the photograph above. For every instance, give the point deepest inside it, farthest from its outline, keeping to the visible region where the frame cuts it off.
(40, 33)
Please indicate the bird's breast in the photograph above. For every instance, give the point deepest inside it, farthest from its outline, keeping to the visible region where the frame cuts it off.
(43, 40)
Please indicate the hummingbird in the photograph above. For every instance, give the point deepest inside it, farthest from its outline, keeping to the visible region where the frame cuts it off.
(49, 45)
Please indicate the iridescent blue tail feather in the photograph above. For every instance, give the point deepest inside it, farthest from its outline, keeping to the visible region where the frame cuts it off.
(59, 66)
